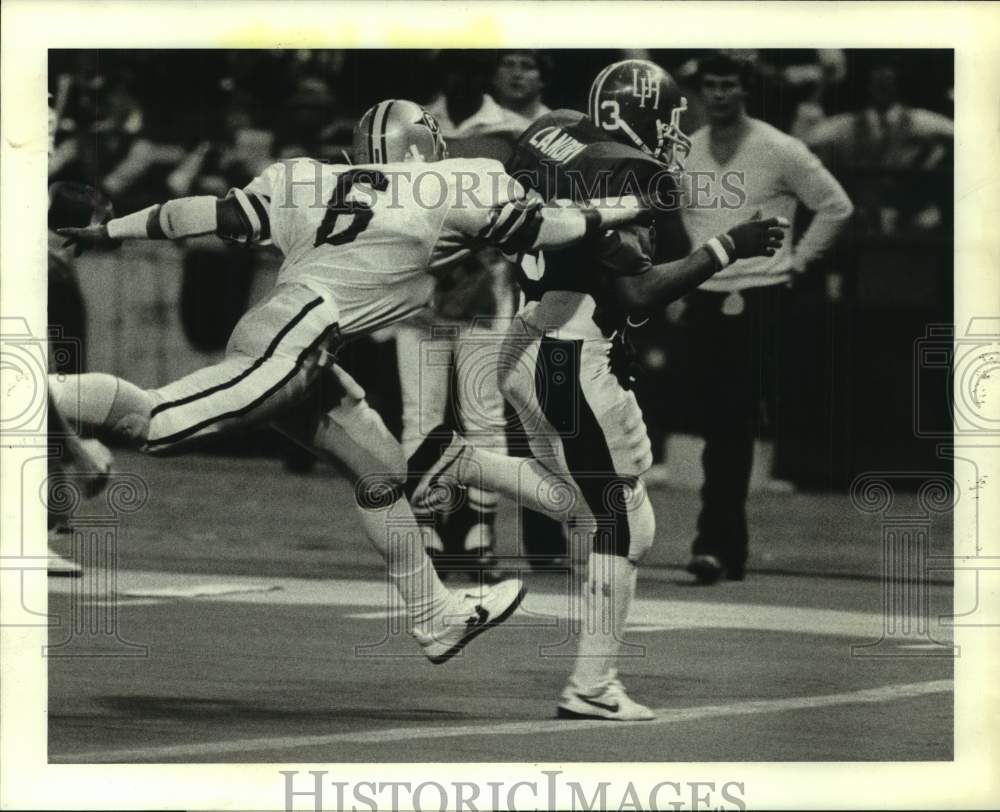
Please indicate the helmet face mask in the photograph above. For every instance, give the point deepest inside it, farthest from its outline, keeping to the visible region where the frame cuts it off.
(398, 130)
(672, 145)
(640, 104)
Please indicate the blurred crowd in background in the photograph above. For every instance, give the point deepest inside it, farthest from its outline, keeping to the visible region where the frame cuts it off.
(145, 126)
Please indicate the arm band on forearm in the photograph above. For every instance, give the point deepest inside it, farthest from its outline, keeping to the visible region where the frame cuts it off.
(188, 217)
(514, 227)
(592, 221)
(184, 217)
(719, 249)
(134, 226)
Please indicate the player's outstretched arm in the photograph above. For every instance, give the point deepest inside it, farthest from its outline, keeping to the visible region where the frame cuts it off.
(566, 224)
(528, 224)
(239, 217)
(663, 283)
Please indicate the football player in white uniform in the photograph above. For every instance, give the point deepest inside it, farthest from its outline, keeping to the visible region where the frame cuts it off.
(360, 244)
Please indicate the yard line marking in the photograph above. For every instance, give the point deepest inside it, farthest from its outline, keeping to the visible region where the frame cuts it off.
(540, 609)
(666, 716)
(650, 615)
(213, 590)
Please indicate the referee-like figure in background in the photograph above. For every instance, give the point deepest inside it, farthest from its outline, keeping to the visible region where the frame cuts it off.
(730, 324)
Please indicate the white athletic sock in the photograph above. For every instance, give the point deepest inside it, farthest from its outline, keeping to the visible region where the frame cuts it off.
(603, 611)
(479, 538)
(524, 480)
(408, 566)
(84, 400)
(422, 591)
(96, 402)
(431, 539)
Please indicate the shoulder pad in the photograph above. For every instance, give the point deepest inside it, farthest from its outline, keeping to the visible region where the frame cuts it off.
(563, 117)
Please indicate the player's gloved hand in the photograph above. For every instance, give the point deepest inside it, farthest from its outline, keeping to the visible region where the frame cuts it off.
(92, 236)
(70, 205)
(755, 237)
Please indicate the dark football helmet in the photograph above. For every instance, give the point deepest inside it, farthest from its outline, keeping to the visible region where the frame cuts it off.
(398, 130)
(640, 104)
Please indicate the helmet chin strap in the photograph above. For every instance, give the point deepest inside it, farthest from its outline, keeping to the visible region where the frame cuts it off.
(624, 127)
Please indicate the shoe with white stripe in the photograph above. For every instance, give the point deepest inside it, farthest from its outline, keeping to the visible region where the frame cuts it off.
(612, 704)
(467, 615)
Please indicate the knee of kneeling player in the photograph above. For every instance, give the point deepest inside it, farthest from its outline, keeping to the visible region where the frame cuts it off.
(641, 523)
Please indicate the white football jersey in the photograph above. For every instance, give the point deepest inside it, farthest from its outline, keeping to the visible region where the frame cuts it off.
(364, 237)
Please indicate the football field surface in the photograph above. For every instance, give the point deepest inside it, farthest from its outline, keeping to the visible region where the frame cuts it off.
(253, 624)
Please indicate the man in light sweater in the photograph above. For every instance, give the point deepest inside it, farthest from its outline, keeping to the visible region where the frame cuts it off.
(731, 322)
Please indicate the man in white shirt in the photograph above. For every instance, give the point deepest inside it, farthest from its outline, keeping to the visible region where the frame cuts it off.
(732, 320)
(463, 108)
(519, 80)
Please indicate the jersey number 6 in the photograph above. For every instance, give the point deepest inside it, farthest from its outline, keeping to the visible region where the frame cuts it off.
(338, 204)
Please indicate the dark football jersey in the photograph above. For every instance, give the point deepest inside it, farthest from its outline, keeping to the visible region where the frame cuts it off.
(564, 156)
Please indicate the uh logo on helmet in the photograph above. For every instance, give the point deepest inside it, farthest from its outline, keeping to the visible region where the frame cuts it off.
(398, 130)
(640, 104)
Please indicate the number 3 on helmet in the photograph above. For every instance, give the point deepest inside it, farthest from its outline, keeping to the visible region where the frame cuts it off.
(640, 104)
(398, 130)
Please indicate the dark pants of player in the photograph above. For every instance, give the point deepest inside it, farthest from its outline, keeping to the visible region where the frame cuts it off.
(587, 430)
(730, 385)
(585, 445)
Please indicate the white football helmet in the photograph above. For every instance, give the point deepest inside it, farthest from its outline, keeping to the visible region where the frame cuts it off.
(398, 130)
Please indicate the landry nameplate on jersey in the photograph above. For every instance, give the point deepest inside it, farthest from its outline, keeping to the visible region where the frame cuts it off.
(556, 143)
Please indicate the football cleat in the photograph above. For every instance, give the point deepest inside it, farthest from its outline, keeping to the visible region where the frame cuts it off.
(432, 482)
(612, 704)
(467, 616)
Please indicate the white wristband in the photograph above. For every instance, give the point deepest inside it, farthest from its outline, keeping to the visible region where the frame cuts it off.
(718, 250)
(131, 226)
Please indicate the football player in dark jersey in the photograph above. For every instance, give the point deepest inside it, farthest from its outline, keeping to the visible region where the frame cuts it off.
(580, 418)
(584, 427)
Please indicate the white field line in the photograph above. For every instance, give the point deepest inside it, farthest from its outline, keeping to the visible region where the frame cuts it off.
(666, 716)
